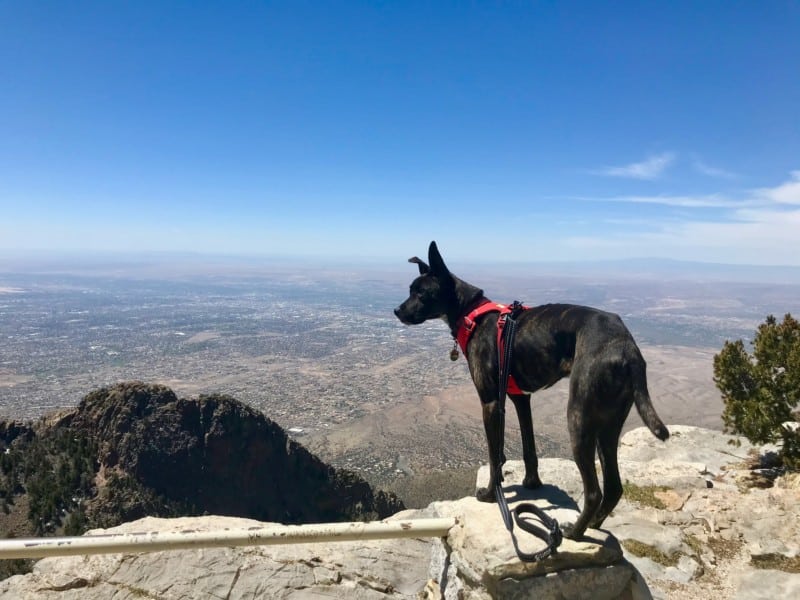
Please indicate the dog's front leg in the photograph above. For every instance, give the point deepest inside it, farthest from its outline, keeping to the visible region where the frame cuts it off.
(493, 425)
(522, 402)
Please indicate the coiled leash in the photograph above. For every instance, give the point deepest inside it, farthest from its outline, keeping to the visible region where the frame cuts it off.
(551, 533)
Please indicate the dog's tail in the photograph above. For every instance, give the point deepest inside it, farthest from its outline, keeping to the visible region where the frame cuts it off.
(645, 406)
(648, 414)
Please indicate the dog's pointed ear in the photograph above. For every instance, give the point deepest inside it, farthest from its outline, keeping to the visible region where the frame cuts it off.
(437, 263)
(423, 268)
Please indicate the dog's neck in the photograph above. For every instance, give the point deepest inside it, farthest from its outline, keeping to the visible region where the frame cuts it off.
(468, 297)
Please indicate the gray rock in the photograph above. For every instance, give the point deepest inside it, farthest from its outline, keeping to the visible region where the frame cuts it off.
(361, 570)
(754, 584)
(686, 444)
(666, 539)
(557, 473)
(590, 568)
(481, 547)
(609, 582)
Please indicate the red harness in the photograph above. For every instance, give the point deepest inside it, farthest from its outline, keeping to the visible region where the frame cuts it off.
(466, 327)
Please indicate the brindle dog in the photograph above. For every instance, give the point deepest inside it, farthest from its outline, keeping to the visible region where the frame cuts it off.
(594, 348)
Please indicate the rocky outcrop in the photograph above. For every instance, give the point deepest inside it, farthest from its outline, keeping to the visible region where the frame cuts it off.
(159, 455)
(701, 518)
(359, 570)
(692, 525)
(721, 518)
(478, 561)
(219, 456)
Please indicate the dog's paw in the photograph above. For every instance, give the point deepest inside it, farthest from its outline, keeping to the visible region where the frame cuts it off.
(485, 495)
(568, 531)
(532, 482)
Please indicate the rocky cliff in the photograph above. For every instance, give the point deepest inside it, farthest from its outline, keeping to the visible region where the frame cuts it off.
(135, 450)
(701, 519)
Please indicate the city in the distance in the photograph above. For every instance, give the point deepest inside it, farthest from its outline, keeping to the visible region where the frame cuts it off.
(316, 347)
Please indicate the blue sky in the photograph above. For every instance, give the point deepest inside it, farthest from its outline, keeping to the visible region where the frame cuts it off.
(504, 130)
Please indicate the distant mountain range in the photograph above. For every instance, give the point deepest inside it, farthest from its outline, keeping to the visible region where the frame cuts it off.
(156, 264)
(644, 268)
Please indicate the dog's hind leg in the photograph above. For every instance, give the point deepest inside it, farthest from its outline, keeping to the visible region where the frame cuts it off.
(607, 441)
(584, 452)
(522, 403)
(583, 430)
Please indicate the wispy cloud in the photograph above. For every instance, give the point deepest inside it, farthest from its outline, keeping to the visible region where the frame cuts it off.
(651, 168)
(755, 237)
(772, 198)
(705, 169)
(786, 193)
(759, 228)
(701, 201)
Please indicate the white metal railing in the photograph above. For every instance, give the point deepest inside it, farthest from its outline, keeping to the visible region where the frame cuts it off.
(153, 541)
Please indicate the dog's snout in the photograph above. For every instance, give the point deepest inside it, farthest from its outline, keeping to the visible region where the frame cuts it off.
(402, 314)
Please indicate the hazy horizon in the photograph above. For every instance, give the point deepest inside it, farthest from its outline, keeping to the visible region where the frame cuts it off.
(166, 263)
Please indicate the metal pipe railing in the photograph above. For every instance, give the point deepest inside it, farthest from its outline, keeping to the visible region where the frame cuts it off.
(154, 541)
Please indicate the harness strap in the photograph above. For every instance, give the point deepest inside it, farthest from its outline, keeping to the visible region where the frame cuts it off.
(551, 534)
(466, 328)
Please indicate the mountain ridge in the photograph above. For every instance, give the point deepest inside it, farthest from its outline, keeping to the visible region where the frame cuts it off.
(135, 449)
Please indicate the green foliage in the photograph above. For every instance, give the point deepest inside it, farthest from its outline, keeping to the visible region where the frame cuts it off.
(57, 472)
(761, 390)
(776, 562)
(76, 523)
(641, 549)
(644, 494)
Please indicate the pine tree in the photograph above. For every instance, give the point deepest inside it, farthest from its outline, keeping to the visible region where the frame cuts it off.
(761, 390)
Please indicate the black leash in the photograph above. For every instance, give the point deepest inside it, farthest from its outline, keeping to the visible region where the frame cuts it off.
(551, 533)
